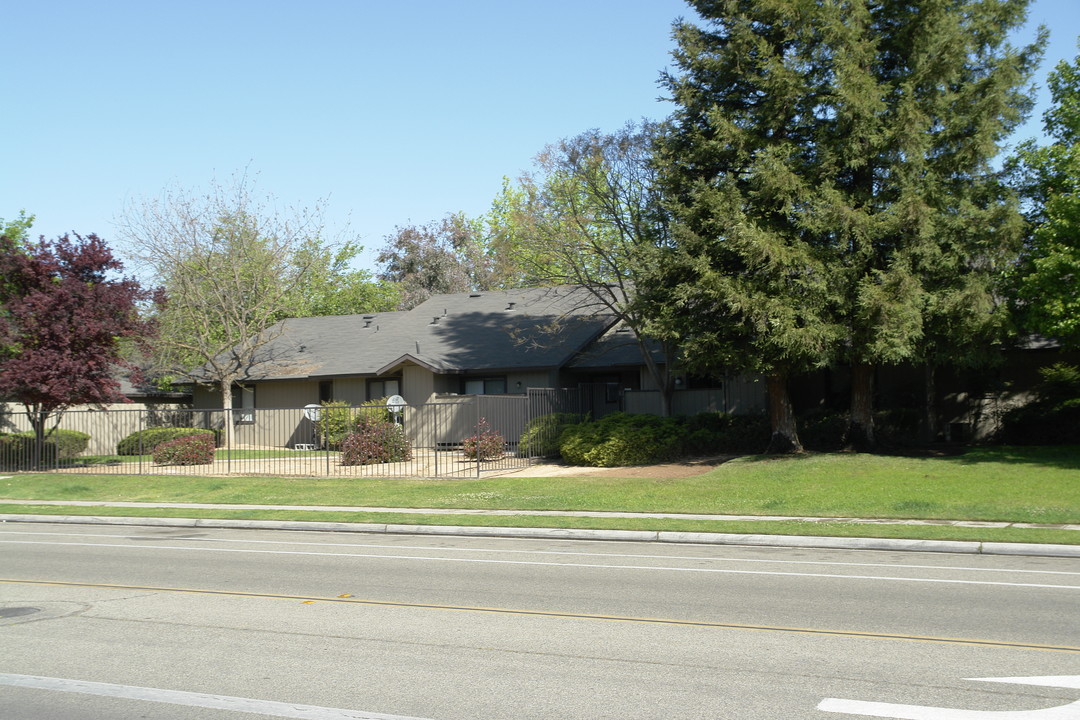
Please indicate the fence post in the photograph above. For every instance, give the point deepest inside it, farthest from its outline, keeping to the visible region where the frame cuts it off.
(142, 439)
(476, 401)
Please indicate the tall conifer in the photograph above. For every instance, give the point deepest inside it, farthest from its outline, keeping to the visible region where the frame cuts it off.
(828, 167)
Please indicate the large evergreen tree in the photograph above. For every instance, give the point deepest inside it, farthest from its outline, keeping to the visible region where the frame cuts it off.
(1049, 273)
(828, 164)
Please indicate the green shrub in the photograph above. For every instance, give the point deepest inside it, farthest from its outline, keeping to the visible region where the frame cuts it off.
(144, 442)
(484, 444)
(823, 431)
(66, 443)
(541, 436)
(1053, 418)
(69, 443)
(724, 434)
(620, 439)
(187, 450)
(17, 451)
(374, 410)
(375, 441)
(334, 423)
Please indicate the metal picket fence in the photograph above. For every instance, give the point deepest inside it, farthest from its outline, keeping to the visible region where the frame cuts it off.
(467, 436)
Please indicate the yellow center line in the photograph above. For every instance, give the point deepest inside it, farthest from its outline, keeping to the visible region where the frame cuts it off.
(347, 599)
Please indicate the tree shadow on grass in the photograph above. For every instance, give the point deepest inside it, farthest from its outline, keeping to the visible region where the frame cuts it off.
(1065, 457)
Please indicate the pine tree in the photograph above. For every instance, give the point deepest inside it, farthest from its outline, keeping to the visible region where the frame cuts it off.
(828, 163)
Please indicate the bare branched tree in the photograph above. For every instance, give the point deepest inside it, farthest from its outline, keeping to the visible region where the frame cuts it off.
(228, 265)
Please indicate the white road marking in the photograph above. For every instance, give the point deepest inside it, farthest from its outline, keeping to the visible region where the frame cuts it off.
(917, 712)
(177, 697)
(592, 566)
(920, 712)
(568, 553)
(1070, 682)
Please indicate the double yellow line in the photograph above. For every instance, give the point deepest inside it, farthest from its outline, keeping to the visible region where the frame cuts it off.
(350, 600)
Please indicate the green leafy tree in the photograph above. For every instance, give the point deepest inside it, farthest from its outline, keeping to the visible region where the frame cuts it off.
(828, 165)
(18, 229)
(332, 287)
(1049, 272)
(591, 215)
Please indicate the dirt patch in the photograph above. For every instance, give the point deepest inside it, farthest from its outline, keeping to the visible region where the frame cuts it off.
(662, 471)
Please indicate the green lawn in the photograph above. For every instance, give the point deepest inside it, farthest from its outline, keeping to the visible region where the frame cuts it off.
(1020, 485)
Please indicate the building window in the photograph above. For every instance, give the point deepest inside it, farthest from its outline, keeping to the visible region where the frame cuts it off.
(484, 386)
(377, 389)
(243, 405)
(326, 391)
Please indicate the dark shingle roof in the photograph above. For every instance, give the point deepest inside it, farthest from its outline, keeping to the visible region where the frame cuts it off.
(497, 330)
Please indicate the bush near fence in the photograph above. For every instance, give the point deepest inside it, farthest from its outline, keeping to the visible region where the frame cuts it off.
(1053, 418)
(338, 419)
(620, 439)
(187, 450)
(17, 452)
(144, 442)
(484, 444)
(375, 441)
(541, 436)
(17, 449)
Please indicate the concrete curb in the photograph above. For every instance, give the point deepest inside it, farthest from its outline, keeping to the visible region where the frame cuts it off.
(789, 541)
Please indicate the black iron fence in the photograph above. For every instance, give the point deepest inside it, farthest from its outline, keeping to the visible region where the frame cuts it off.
(465, 436)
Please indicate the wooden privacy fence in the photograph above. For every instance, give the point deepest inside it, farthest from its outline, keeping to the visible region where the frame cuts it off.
(281, 441)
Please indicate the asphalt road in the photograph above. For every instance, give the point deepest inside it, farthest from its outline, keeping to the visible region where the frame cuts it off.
(108, 622)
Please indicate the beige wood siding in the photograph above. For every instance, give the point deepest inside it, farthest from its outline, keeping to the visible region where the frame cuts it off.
(417, 385)
(351, 390)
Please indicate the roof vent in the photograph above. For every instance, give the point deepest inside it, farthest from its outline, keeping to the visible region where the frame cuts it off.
(472, 295)
(510, 306)
(367, 323)
(435, 320)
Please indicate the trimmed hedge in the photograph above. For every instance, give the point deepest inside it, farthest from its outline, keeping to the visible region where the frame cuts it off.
(69, 443)
(187, 450)
(17, 451)
(144, 442)
(541, 436)
(621, 439)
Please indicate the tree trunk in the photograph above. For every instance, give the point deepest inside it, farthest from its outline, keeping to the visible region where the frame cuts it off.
(785, 437)
(38, 418)
(227, 423)
(661, 375)
(860, 432)
(930, 414)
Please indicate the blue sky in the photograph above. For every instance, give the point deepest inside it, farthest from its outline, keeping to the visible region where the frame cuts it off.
(393, 113)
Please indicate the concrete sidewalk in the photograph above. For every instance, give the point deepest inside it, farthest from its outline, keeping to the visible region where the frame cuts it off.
(520, 532)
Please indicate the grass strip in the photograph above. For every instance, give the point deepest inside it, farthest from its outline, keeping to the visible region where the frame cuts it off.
(750, 527)
(1030, 485)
